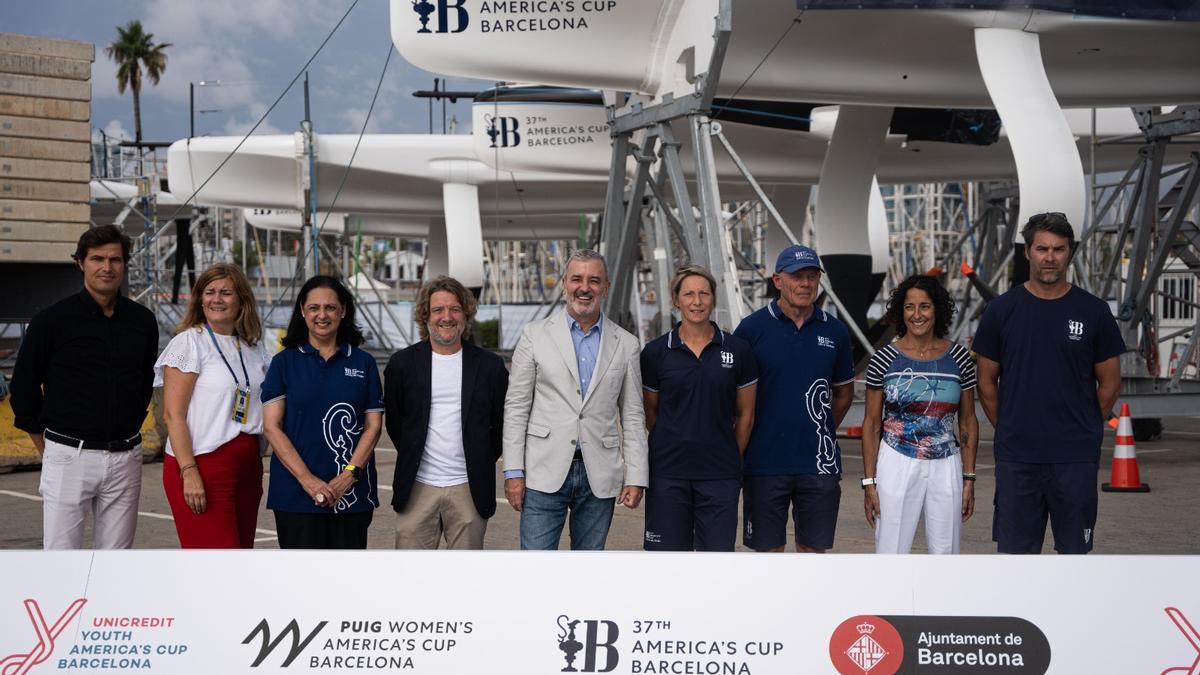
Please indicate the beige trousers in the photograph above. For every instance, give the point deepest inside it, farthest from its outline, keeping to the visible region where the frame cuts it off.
(436, 512)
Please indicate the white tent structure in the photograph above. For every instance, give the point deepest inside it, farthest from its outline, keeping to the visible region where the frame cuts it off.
(360, 282)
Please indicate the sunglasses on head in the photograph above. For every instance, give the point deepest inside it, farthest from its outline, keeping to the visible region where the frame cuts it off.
(1049, 214)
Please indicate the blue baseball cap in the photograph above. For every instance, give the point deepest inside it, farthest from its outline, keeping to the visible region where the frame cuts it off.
(797, 257)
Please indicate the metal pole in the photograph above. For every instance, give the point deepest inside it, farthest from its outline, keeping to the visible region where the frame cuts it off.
(191, 109)
(729, 299)
(312, 172)
(245, 239)
(825, 286)
(662, 266)
(1147, 222)
(635, 303)
(1091, 202)
(1188, 187)
(347, 269)
(1126, 223)
(1186, 358)
(762, 196)
(308, 241)
(614, 213)
(669, 153)
(622, 255)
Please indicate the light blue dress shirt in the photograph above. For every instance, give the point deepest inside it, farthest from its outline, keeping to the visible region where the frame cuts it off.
(587, 348)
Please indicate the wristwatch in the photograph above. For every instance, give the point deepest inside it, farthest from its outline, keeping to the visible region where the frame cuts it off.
(353, 471)
(867, 481)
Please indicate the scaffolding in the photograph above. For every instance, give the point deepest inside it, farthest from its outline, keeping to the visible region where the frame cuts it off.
(1143, 254)
(1140, 249)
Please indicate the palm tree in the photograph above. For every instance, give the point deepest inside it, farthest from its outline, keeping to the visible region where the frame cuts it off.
(133, 49)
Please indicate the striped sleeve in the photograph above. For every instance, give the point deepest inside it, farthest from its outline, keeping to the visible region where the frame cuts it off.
(966, 367)
(877, 367)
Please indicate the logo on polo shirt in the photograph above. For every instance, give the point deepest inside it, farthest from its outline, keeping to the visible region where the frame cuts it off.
(342, 429)
(826, 342)
(1074, 329)
(726, 359)
(818, 400)
(355, 372)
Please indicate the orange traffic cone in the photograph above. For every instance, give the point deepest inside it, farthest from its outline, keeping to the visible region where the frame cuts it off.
(978, 284)
(851, 432)
(1125, 476)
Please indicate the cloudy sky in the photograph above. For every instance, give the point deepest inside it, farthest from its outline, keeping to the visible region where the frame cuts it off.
(255, 47)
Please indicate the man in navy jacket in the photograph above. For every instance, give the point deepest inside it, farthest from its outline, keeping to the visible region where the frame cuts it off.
(444, 400)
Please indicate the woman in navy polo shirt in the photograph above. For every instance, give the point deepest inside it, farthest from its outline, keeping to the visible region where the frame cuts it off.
(698, 386)
(322, 413)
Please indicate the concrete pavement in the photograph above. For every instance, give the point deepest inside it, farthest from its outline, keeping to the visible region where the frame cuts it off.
(1160, 522)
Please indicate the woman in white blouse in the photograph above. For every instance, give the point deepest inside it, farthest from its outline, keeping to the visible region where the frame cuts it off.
(211, 374)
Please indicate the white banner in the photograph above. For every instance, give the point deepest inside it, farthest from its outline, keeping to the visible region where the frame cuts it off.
(546, 613)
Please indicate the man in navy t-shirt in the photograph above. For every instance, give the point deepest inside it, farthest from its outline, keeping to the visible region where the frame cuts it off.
(1049, 372)
(805, 384)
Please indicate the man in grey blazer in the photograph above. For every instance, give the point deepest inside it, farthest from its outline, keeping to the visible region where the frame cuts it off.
(574, 427)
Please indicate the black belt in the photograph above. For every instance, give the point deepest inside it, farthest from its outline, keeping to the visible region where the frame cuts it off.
(107, 446)
(578, 455)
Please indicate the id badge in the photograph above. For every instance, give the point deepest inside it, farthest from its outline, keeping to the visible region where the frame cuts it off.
(241, 404)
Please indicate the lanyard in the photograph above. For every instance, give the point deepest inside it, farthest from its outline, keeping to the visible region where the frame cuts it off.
(238, 342)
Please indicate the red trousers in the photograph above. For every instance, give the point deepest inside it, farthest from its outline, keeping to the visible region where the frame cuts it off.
(233, 477)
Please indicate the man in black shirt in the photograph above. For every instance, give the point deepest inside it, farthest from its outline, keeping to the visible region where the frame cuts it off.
(80, 389)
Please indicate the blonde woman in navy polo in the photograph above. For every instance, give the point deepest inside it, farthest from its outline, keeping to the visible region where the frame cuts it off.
(698, 388)
(322, 413)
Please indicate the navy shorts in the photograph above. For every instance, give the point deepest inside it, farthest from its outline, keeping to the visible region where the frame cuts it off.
(692, 515)
(1026, 494)
(814, 499)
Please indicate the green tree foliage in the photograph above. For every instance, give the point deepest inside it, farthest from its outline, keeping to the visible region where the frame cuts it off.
(133, 50)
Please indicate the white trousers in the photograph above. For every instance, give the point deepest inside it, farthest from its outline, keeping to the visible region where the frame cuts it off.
(909, 486)
(77, 482)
